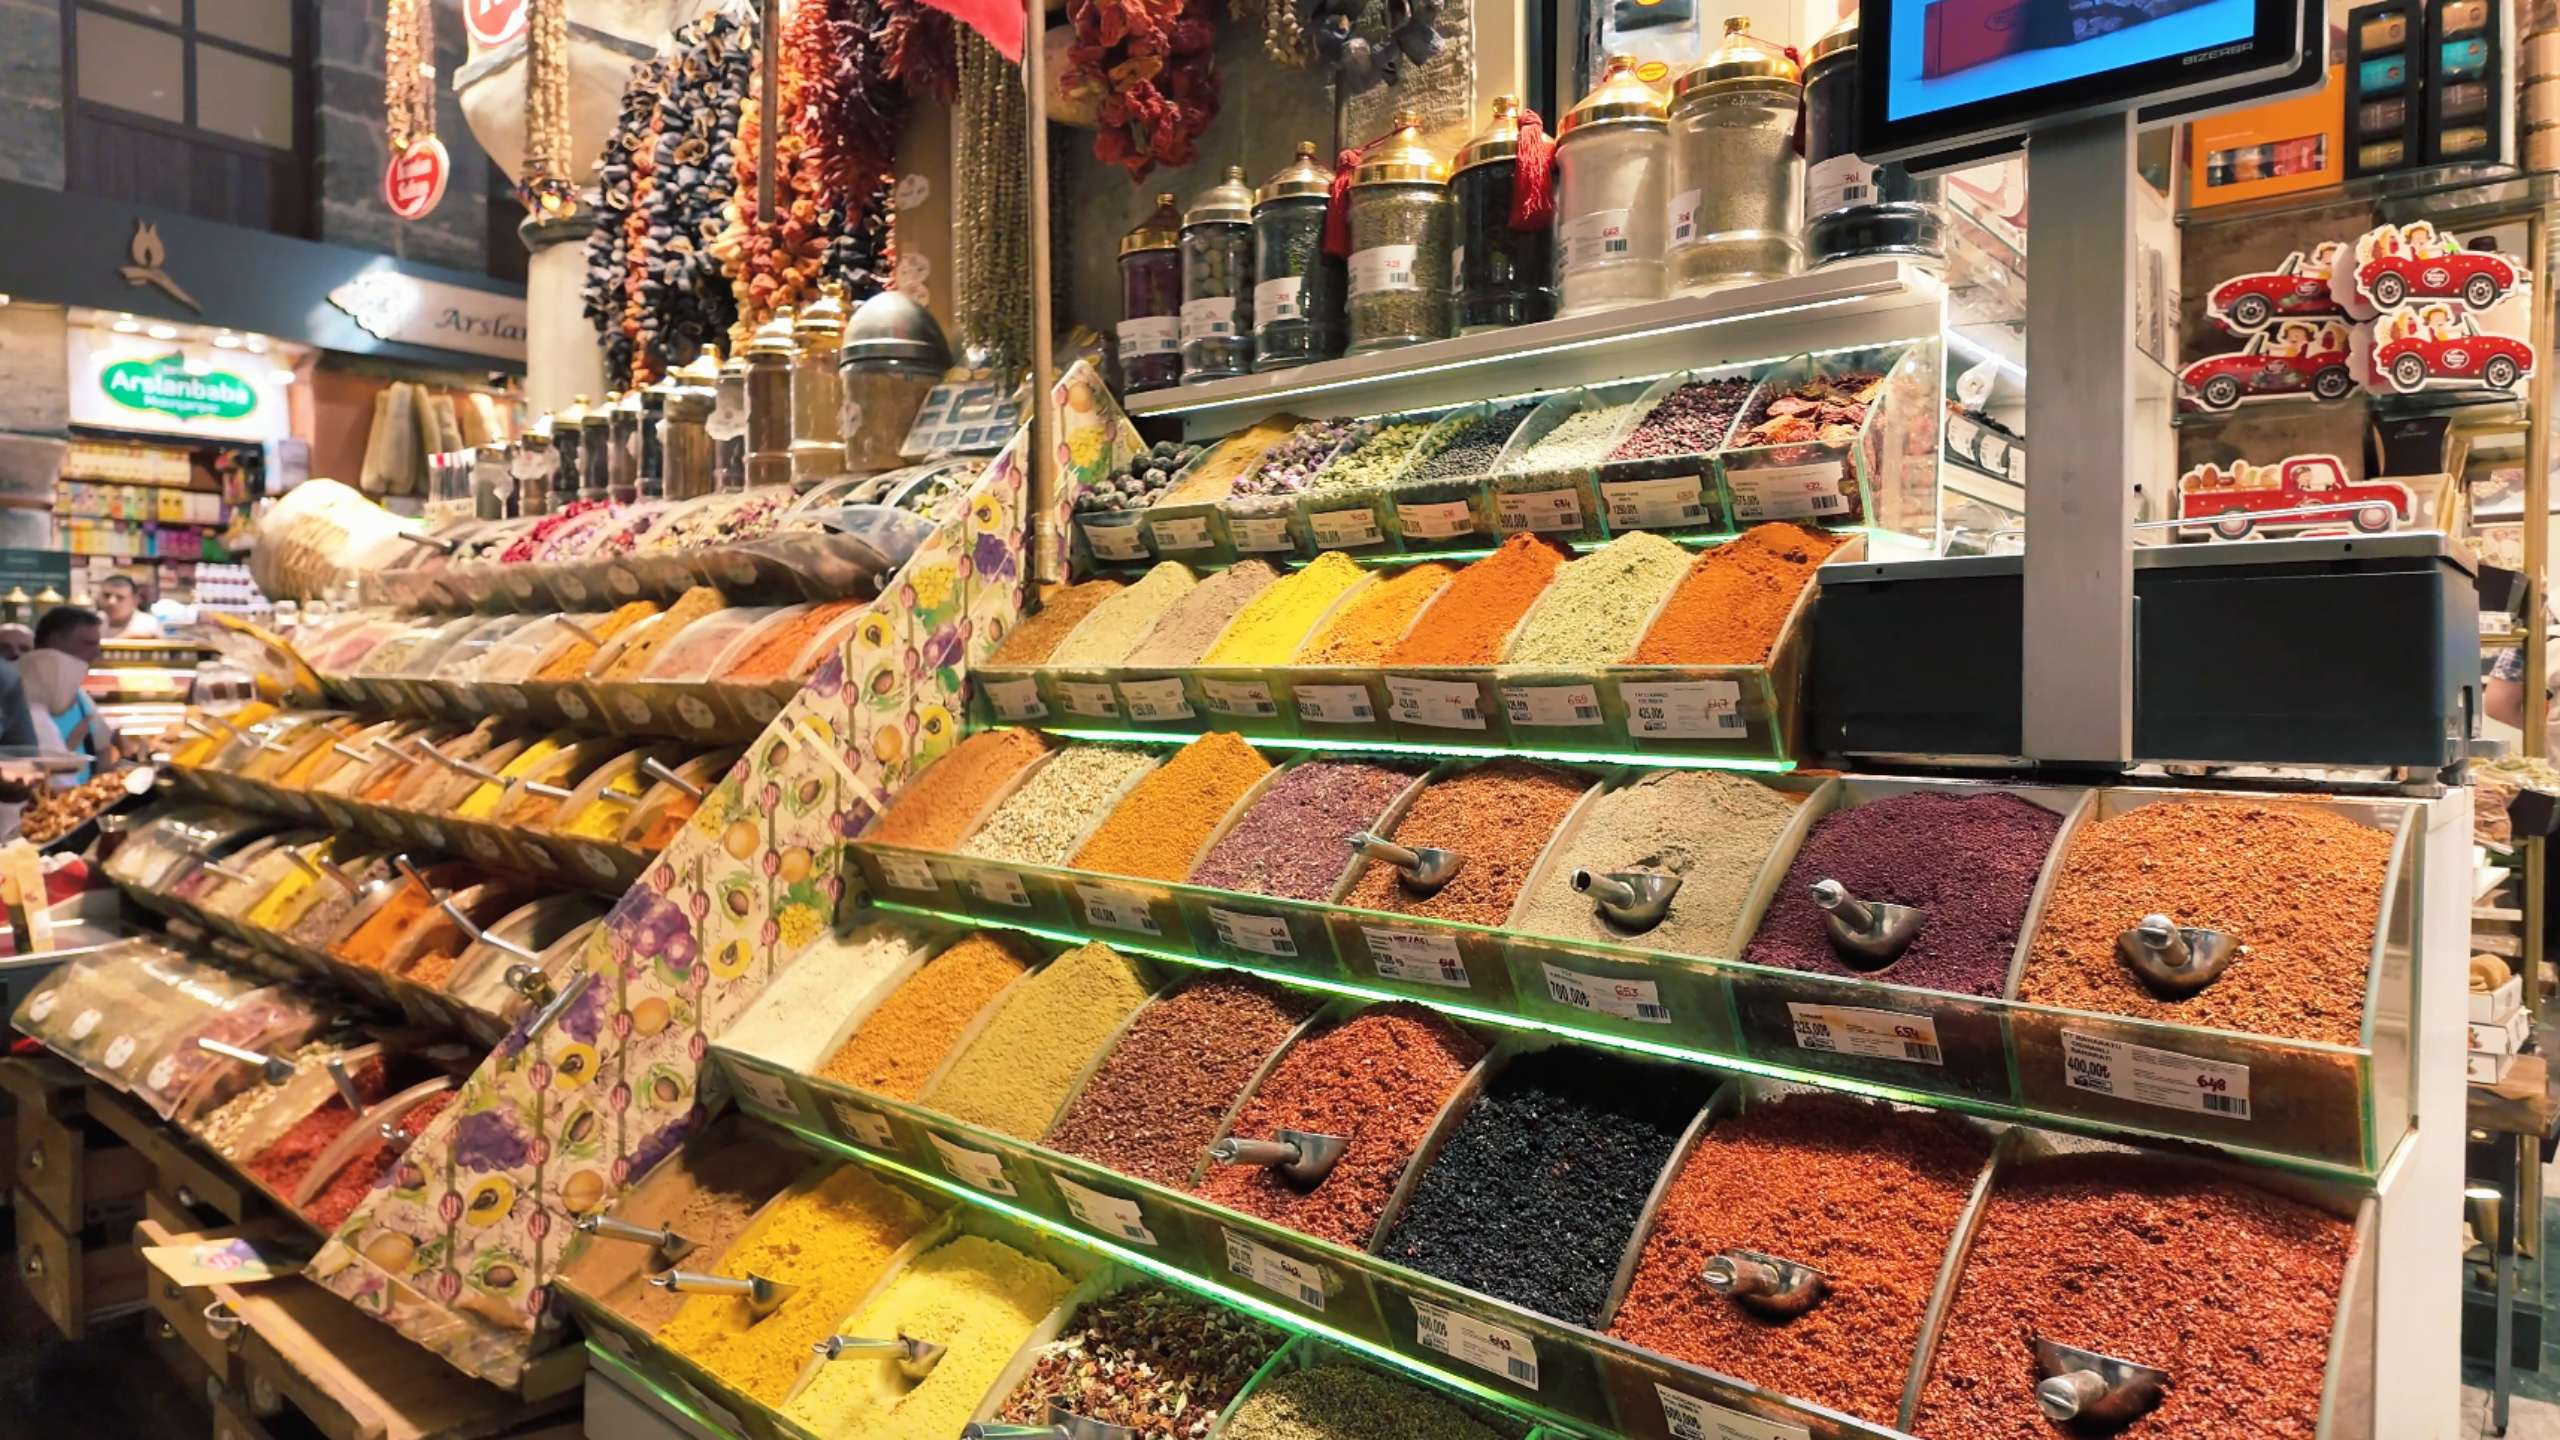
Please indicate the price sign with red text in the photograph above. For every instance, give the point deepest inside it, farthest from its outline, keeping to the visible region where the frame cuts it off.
(413, 183)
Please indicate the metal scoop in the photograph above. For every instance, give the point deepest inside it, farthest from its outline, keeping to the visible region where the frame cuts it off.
(1771, 1284)
(1302, 1157)
(763, 1296)
(1423, 871)
(671, 1247)
(1629, 899)
(559, 1004)
(1866, 934)
(337, 1068)
(2174, 961)
(270, 1069)
(2090, 1391)
(655, 769)
(1062, 1425)
(913, 1358)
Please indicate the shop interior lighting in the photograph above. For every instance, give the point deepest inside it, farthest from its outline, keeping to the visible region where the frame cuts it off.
(257, 344)
(1439, 752)
(128, 326)
(161, 332)
(282, 376)
(226, 341)
(1978, 352)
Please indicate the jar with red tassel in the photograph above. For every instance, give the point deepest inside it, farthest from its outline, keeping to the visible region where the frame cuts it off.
(1150, 331)
(1613, 192)
(1737, 174)
(1505, 273)
(1297, 301)
(1402, 224)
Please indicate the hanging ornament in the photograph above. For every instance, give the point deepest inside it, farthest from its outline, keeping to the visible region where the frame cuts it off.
(991, 154)
(414, 180)
(548, 189)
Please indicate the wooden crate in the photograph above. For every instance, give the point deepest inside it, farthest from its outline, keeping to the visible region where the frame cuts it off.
(76, 1277)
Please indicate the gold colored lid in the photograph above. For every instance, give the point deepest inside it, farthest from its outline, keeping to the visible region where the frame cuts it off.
(1229, 202)
(630, 404)
(573, 413)
(1500, 140)
(1400, 157)
(1843, 36)
(826, 314)
(601, 413)
(1621, 98)
(1303, 177)
(773, 337)
(1739, 56)
(1161, 230)
(703, 370)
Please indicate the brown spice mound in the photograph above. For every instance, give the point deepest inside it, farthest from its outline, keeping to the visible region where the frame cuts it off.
(1730, 606)
(2229, 1288)
(1499, 816)
(1475, 612)
(2301, 887)
(937, 808)
(1031, 641)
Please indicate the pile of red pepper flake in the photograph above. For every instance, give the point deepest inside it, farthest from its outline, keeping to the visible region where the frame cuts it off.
(370, 1165)
(283, 1164)
(1151, 62)
(1825, 411)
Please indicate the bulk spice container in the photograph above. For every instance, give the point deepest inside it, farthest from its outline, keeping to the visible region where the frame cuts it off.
(771, 354)
(689, 448)
(653, 438)
(1505, 274)
(893, 356)
(622, 457)
(1217, 282)
(569, 442)
(1853, 209)
(1151, 301)
(727, 426)
(595, 476)
(1297, 302)
(1401, 219)
(817, 393)
(1613, 173)
(1737, 174)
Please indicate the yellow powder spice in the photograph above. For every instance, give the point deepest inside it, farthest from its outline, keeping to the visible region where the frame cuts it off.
(646, 644)
(1017, 1072)
(1271, 628)
(832, 1240)
(1159, 826)
(904, 1041)
(571, 663)
(482, 803)
(980, 1297)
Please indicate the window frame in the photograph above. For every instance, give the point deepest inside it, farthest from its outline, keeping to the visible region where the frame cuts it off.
(297, 64)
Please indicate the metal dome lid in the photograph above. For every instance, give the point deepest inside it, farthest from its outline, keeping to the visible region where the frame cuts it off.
(1161, 230)
(893, 327)
(1843, 36)
(1229, 202)
(1400, 157)
(1621, 98)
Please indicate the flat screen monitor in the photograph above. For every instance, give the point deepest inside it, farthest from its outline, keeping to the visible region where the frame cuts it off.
(1945, 75)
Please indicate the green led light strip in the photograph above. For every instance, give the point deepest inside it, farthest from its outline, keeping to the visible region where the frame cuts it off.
(1456, 752)
(632, 1379)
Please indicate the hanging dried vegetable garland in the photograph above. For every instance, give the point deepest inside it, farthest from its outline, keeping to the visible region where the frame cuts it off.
(686, 301)
(777, 260)
(1151, 62)
(408, 73)
(606, 293)
(548, 187)
(851, 115)
(639, 256)
(990, 156)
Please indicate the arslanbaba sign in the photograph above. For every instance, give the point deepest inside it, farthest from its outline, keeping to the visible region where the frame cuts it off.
(166, 387)
(132, 382)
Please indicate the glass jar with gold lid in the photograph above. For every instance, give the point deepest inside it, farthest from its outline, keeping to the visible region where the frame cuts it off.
(1297, 292)
(1737, 176)
(1402, 225)
(1150, 330)
(1505, 273)
(1613, 171)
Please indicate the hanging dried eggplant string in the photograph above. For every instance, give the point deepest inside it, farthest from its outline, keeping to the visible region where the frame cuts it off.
(990, 139)
(688, 302)
(1152, 62)
(550, 187)
(608, 259)
(640, 251)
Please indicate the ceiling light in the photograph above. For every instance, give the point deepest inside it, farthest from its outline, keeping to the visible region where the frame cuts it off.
(226, 341)
(128, 327)
(257, 344)
(281, 375)
(161, 332)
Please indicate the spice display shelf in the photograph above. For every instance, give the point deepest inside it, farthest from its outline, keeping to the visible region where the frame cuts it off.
(1861, 302)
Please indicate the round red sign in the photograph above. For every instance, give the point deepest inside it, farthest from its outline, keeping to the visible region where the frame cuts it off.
(413, 182)
(493, 22)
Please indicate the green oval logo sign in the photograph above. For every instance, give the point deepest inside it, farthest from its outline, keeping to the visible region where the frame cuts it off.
(167, 387)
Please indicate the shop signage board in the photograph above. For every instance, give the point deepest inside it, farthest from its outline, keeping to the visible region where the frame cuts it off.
(392, 306)
(413, 182)
(131, 382)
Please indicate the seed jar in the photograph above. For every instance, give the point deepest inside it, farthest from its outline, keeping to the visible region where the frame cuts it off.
(1737, 174)
(1613, 174)
(771, 356)
(1217, 282)
(1505, 273)
(1151, 300)
(817, 391)
(1853, 209)
(1401, 227)
(1297, 301)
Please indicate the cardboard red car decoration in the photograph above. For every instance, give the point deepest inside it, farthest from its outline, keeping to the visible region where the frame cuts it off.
(2298, 289)
(2442, 347)
(2298, 357)
(2297, 493)
(2394, 265)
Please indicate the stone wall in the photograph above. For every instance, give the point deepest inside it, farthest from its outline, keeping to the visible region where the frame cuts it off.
(31, 143)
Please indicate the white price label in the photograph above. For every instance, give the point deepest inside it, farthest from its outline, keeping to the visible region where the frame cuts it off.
(83, 1023)
(634, 707)
(1275, 1272)
(1260, 934)
(1836, 184)
(1259, 534)
(1876, 1034)
(1442, 704)
(1689, 1418)
(1383, 268)
(1458, 265)
(868, 1128)
(164, 1071)
(1552, 705)
(1212, 318)
(1537, 511)
(1114, 539)
(1180, 534)
(573, 705)
(119, 1050)
(1158, 699)
(2154, 1077)
(1016, 699)
(1109, 909)
(906, 872)
(1247, 698)
(1345, 529)
(765, 1090)
(1335, 705)
(1655, 504)
(1683, 215)
(1487, 1346)
(1597, 237)
(1685, 710)
(1088, 698)
(1113, 1216)
(973, 1167)
(1639, 1000)
(1275, 301)
(1419, 956)
(1435, 519)
(1788, 492)
(42, 1005)
(1150, 335)
(998, 887)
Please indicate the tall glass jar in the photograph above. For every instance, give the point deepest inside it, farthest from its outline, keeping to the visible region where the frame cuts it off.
(1613, 173)
(1217, 282)
(1402, 224)
(1855, 210)
(1505, 275)
(1297, 299)
(1151, 301)
(1737, 174)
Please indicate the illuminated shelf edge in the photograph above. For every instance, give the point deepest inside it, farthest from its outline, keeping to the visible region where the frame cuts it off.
(1404, 747)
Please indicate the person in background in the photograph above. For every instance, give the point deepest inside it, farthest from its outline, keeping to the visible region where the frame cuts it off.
(15, 641)
(69, 640)
(120, 602)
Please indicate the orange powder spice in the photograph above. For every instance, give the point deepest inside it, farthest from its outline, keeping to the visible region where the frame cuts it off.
(646, 646)
(1475, 612)
(1037, 635)
(776, 655)
(1160, 825)
(1370, 626)
(896, 1050)
(571, 664)
(935, 811)
(369, 944)
(1730, 606)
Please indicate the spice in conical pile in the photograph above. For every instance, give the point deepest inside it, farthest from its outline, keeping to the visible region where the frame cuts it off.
(1194, 622)
(935, 810)
(1269, 630)
(1714, 831)
(899, 1046)
(1117, 624)
(980, 1298)
(1498, 816)
(1596, 610)
(1159, 826)
(1156, 1101)
(1018, 1069)
(1289, 842)
(1471, 618)
(1366, 628)
(1729, 608)
(1039, 633)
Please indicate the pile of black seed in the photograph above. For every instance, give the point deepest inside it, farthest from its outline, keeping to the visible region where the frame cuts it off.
(1472, 450)
(1537, 1193)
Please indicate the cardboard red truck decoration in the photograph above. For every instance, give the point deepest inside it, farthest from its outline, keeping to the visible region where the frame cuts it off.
(2297, 493)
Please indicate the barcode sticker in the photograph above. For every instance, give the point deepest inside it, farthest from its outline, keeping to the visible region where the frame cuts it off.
(1158, 699)
(1248, 698)
(1150, 335)
(1384, 268)
(1259, 534)
(1638, 1000)
(1275, 1272)
(1275, 301)
(1113, 1216)
(1115, 539)
(1259, 934)
(2154, 1077)
(1683, 215)
(906, 872)
(1655, 504)
(998, 887)
(765, 1090)
(1210, 318)
(973, 1167)
(868, 1128)
(1836, 183)
(1876, 1034)
(1552, 705)
(1441, 704)
(1537, 511)
(1110, 909)
(1419, 956)
(1689, 1418)
(1181, 534)
(1787, 492)
(1487, 1346)
(1596, 236)
(1435, 520)
(1335, 705)
(1685, 710)
(1089, 698)
(1345, 529)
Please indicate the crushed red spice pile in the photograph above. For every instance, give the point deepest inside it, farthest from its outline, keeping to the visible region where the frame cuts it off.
(368, 1167)
(282, 1165)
